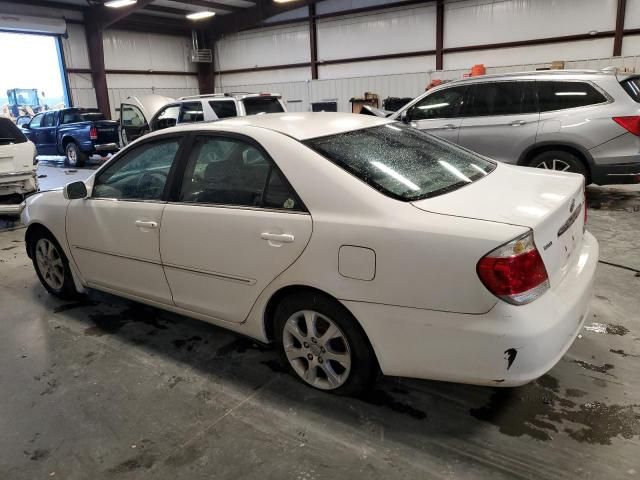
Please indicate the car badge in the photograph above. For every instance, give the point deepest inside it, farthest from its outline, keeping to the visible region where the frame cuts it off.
(572, 205)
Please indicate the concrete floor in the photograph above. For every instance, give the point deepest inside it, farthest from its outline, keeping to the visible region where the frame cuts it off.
(108, 388)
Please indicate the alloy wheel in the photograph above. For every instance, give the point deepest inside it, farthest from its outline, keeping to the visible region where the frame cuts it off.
(317, 349)
(72, 155)
(50, 263)
(555, 164)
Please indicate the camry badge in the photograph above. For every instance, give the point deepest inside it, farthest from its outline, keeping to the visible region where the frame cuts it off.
(572, 205)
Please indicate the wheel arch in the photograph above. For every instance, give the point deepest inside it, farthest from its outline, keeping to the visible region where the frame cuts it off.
(582, 153)
(32, 230)
(268, 316)
(66, 140)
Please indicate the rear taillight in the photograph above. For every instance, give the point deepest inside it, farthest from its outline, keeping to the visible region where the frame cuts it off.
(93, 133)
(631, 124)
(515, 272)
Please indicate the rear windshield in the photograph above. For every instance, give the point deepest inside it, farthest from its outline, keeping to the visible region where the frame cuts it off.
(75, 116)
(9, 133)
(258, 105)
(403, 162)
(632, 87)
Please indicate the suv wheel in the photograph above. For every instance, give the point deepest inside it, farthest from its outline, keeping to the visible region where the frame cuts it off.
(75, 157)
(558, 160)
(322, 344)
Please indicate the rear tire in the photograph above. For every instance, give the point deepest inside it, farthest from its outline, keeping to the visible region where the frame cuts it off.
(75, 156)
(559, 160)
(334, 354)
(52, 265)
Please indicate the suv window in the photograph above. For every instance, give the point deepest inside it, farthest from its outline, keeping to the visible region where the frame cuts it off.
(9, 133)
(560, 95)
(227, 171)
(35, 121)
(403, 162)
(501, 98)
(224, 108)
(259, 105)
(191, 112)
(49, 119)
(632, 87)
(139, 174)
(445, 103)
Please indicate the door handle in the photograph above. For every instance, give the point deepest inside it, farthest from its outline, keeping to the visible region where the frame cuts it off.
(517, 123)
(144, 224)
(277, 237)
(449, 126)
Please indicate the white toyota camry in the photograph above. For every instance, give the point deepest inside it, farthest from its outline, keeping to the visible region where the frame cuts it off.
(354, 243)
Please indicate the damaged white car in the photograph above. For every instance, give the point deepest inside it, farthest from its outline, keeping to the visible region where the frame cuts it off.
(17, 168)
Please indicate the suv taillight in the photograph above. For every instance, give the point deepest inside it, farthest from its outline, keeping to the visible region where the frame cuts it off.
(93, 133)
(515, 271)
(631, 124)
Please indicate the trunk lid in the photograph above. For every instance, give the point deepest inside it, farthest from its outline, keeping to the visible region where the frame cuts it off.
(550, 203)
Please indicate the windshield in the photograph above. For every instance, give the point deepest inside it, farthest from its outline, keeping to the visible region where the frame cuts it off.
(258, 105)
(74, 116)
(403, 162)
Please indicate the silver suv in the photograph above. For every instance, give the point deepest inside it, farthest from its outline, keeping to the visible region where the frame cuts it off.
(580, 121)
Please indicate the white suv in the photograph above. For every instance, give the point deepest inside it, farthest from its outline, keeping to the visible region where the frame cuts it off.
(17, 167)
(142, 115)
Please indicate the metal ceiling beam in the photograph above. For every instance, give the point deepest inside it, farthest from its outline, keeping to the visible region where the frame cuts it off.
(217, 6)
(252, 17)
(617, 40)
(103, 17)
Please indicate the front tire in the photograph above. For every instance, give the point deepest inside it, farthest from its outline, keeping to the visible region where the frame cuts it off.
(75, 157)
(323, 345)
(52, 266)
(558, 160)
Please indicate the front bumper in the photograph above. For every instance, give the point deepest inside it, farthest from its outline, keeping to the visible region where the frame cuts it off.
(507, 346)
(614, 174)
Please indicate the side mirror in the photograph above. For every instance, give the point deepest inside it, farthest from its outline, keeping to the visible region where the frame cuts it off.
(404, 117)
(75, 190)
(25, 126)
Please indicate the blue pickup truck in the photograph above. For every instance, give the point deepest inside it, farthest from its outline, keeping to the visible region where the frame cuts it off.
(76, 133)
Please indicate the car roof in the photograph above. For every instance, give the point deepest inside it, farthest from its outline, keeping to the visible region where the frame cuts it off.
(298, 125)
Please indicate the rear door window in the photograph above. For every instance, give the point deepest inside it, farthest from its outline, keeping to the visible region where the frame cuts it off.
(224, 108)
(260, 105)
(446, 103)
(632, 87)
(501, 98)
(562, 95)
(191, 112)
(9, 133)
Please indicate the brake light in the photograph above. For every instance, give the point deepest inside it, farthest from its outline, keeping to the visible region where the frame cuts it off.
(93, 133)
(515, 272)
(631, 124)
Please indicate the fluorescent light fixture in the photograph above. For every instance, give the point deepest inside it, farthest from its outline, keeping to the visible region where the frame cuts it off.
(200, 15)
(473, 165)
(435, 105)
(395, 175)
(283, 1)
(120, 3)
(564, 94)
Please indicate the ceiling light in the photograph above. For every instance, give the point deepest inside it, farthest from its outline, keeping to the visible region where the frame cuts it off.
(283, 1)
(200, 15)
(120, 3)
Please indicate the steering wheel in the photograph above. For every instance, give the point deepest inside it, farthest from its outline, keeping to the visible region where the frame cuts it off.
(148, 182)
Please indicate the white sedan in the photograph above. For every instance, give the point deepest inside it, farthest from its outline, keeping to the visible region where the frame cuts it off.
(354, 243)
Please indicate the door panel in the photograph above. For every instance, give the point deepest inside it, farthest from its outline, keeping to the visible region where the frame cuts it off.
(501, 120)
(111, 250)
(133, 123)
(219, 259)
(47, 134)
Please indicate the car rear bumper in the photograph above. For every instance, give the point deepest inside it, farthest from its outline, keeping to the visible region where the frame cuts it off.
(507, 346)
(106, 147)
(14, 187)
(620, 173)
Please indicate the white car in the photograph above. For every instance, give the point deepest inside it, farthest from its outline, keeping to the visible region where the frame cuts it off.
(356, 244)
(17, 167)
